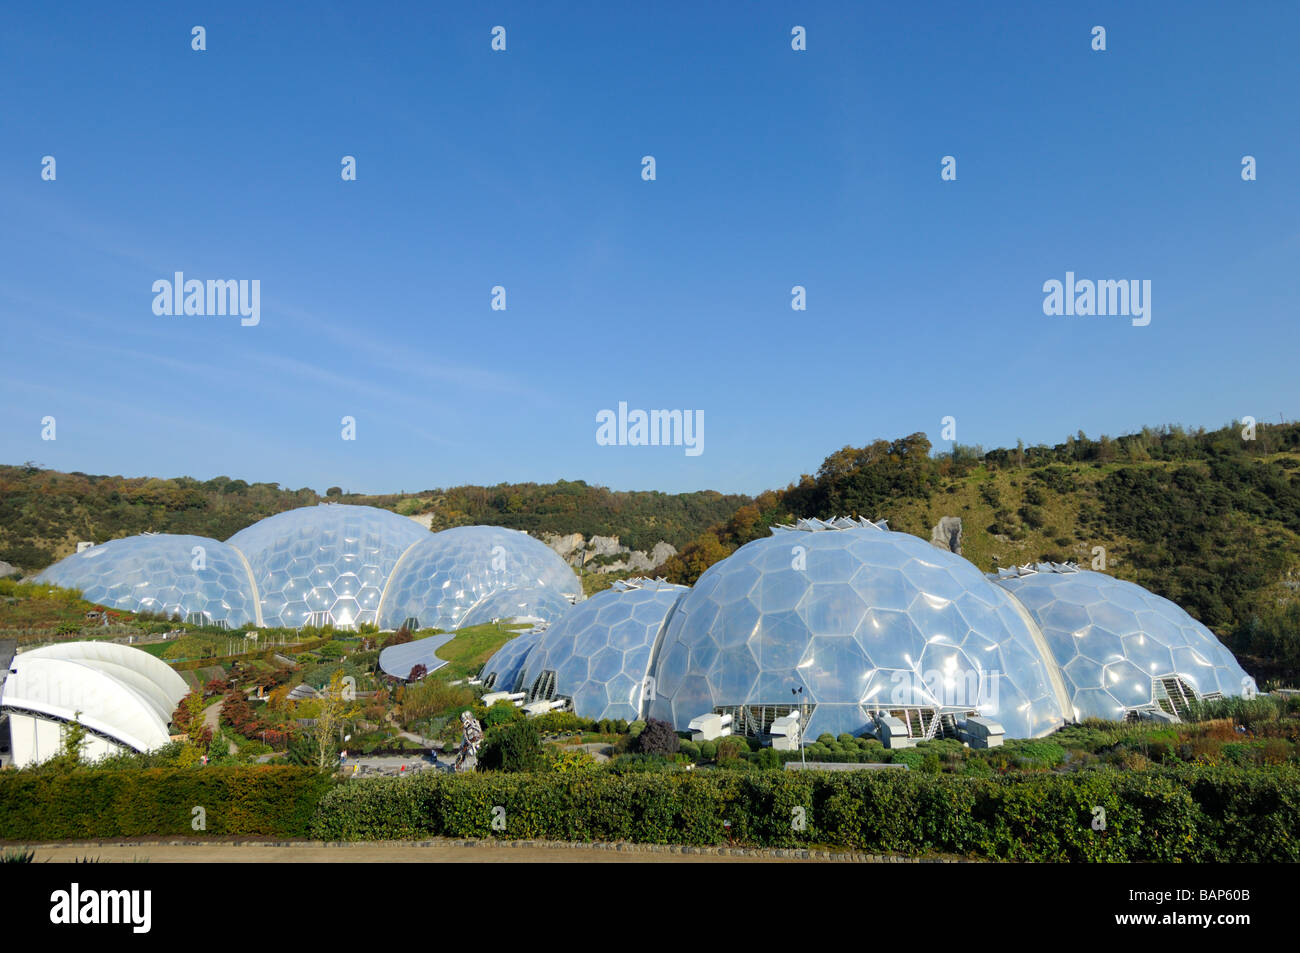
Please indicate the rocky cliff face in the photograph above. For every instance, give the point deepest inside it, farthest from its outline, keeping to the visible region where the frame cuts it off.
(598, 554)
(947, 534)
(606, 554)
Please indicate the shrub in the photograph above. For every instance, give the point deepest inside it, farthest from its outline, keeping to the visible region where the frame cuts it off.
(503, 712)
(731, 748)
(657, 737)
(708, 750)
(640, 763)
(97, 802)
(1034, 753)
(1190, 814)
(567, 762)
(690, 749)
(559, 722)
(514, 746)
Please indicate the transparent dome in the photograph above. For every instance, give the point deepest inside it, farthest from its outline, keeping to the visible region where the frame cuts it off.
(1117, 644)
(202, 580)
(600, 651)
(524, 605)
(325, 564)
(504, 670)
(442, 579)
(863, 620)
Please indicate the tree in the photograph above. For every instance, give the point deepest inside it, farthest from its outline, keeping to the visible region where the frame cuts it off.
(400, 637)
(731, 748)
(336, 707)
(687, 566)
(334, 491)
(418, 672)
(659, 738)
(189, 719)
(74, 742)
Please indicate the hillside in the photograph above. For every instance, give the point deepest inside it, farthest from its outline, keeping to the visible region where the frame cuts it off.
(1206, 518)
(44, 513)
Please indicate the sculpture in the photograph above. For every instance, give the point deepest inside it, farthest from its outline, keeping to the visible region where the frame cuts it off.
(467, 756)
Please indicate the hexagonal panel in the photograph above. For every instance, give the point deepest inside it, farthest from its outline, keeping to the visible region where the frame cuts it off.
(446, 575)
(854, 639)
(171, 574)
(1132, 637)
(608, 640)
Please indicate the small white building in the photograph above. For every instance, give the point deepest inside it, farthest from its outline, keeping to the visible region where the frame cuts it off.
(981, 732)
(516, 698)
(710, 727)
(123, 697)
(785, 732)
(892, 732)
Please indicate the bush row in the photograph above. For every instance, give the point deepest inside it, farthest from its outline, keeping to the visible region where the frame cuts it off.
(1180, 814)
(1187, 813)
(156, 802)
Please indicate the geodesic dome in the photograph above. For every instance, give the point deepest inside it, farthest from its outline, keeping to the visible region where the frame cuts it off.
(441, 580)
(502, 672)
(524, 605)
(863, 620)
(331, 564)
(325, 564)
(199, 579)
(598, 655)
(1120, 647)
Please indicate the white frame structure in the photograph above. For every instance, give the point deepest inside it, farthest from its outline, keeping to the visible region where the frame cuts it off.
(122, 696)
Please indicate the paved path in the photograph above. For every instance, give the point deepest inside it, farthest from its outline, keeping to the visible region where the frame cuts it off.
(415, 853)
(420, 740)
(212, 718)
(597, 749)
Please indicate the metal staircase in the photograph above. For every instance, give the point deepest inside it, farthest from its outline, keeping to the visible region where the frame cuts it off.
(923, 724)
(1174, 697)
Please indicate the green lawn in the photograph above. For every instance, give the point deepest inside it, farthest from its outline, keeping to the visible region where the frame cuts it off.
(466, 653)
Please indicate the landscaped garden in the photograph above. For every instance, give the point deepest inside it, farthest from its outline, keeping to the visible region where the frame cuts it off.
(259, 739)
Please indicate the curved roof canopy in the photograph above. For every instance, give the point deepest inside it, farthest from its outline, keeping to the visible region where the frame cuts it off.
(398, 660)
(120, 693)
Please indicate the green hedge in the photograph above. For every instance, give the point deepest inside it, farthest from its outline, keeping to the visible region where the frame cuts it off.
(1183, 814)
(94, 803)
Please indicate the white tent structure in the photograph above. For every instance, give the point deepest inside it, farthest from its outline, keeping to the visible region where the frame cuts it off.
(122, 696)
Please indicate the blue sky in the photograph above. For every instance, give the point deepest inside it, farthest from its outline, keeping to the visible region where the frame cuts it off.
(523, 169)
